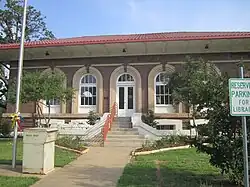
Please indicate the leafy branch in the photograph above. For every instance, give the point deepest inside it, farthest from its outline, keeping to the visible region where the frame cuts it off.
(204, 89)
(37, 87)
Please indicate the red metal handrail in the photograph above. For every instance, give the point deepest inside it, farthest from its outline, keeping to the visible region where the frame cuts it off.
(108, 122)
(112, 114)
(106, 127)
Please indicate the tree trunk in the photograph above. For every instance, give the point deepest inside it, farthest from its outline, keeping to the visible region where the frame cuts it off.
(47, 123)
(41, 115)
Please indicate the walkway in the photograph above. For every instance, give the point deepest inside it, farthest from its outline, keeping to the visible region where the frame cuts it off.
(100, 167)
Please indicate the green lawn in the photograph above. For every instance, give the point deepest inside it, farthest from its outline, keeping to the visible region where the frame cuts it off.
(17, 181)
(62, 157)
(177, 168)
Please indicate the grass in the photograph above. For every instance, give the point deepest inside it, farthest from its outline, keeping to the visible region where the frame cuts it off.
(62, 157)
(17, 181)
(177, 168)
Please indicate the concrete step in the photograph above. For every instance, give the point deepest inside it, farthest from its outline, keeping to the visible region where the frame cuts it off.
(122, 122)
(122, 126)
(123, 144)
(120, 139)
(122, 119)
(123, 132)
(123, 129)
(125, 136)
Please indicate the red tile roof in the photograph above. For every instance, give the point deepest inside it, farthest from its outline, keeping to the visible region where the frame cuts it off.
(149, 37)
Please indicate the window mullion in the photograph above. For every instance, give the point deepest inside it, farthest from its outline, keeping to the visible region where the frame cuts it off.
(87, 86)
(164, 94)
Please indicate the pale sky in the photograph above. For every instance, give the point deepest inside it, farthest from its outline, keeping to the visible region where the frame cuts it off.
(96, 17)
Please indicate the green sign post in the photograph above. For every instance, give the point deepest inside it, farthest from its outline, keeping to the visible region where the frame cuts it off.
(239, 93)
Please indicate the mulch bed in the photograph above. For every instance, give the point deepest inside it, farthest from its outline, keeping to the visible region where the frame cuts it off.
(76, 150)
(142, 149)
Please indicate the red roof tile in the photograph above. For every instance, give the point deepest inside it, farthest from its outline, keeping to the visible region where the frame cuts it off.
(149, 37)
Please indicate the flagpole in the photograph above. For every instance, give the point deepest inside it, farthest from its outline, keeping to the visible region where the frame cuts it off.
(20, 68)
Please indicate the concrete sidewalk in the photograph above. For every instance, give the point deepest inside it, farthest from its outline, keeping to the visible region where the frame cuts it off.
(100, 167)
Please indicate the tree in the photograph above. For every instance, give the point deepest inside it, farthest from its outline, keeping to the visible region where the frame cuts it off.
(10, 32)
(3, 87)
(199, 85)
(37, 87)
(11, 23)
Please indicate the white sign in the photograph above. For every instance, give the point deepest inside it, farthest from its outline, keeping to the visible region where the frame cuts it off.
(239, 93)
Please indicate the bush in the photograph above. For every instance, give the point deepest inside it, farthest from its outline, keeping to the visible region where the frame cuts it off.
(5, 127)
(92, 118)
(225, 146)
(165, 142)
(149, 119)
(203, 87)
(71, 142)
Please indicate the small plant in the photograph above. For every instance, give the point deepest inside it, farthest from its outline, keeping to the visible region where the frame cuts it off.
(149, 119)
(165, 142)
(173, 140)
(147, 145)
(92, 118)
(5, 127)
(71, 142)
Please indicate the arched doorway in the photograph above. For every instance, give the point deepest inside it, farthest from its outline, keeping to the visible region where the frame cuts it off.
(137, 91)
(125, 95)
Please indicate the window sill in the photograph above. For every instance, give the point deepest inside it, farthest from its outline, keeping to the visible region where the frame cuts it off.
(87, 106)
(164, 109)
(53, 106)
(158, 105)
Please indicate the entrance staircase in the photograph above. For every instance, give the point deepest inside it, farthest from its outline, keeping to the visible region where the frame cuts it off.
(123, 135)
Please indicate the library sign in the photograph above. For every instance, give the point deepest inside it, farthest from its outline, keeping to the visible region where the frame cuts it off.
(239, 93)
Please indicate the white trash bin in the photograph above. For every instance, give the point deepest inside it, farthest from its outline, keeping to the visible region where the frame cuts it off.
(39, 150)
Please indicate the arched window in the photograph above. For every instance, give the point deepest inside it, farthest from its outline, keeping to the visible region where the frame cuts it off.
(162, 91)
(53, 102)
(88, 90)
(126, 78)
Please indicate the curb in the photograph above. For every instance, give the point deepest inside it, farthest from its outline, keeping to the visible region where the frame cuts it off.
(132, 155)
(159, 150)
(73, 150)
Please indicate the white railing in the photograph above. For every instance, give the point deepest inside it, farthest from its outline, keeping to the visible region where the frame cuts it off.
(80, 128)
(152, 133)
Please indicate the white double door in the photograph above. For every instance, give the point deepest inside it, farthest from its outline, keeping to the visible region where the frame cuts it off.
(125, 97)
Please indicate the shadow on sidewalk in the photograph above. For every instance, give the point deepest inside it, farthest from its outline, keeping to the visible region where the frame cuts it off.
(7, 168)
(98, 176)
(89, 176)
(9, 162)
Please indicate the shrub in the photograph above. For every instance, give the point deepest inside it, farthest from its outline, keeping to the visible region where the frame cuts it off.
(92, 118)
(165, 142)
(71, 142)
(202, 87)
(149, 119)
(5, 127)
(170, 141)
